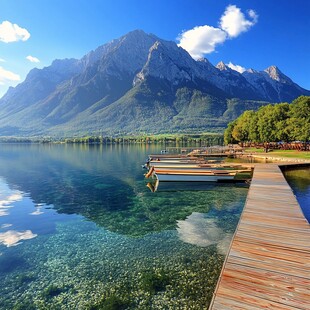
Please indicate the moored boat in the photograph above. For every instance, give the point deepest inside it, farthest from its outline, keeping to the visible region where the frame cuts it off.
(180, 168)
(200, 175)
(183, 176)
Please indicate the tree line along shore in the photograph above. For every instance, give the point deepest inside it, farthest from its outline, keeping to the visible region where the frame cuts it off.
(182, 139)
(279, 124)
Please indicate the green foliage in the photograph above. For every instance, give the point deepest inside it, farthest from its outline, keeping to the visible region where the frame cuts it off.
(228, 136)
(299, 122)
(279, 122)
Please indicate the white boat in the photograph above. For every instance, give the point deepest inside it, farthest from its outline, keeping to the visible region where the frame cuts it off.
(184, 176)
(182, 165)
(181, 162)
(171, 157)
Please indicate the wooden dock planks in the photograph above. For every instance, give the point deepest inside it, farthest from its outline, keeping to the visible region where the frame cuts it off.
(268, 264)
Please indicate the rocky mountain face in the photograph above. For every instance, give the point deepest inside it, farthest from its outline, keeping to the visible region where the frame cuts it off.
(137, 83)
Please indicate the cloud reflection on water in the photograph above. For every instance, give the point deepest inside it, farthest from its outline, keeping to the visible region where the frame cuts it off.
(37, 211)
(5, 226)
(199, 230)
(7, 199)
(13, 237)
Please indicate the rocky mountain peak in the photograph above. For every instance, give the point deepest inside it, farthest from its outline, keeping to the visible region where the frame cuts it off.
(203, 60)
(275, 74)
(251, 71)
(167, 61)
(221, 66)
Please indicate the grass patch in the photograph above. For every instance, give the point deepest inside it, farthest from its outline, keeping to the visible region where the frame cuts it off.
(254, 150)
(281, 153)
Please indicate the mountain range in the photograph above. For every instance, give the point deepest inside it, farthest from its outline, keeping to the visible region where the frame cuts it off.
(137, 83)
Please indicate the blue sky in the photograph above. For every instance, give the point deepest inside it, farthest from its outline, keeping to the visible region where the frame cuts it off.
(246, 33)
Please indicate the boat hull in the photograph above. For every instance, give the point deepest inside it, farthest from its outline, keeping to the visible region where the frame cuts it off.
(192, 177)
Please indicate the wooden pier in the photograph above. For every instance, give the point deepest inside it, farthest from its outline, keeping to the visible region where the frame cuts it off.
(268, 264)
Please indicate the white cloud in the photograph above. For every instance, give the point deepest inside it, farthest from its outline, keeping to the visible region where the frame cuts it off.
(253, 15)
(13, 237)
(12, 32)
(2, 60)
(201, 40)
(237, 68)
(6, 76)
(32, 59)
(234, 22)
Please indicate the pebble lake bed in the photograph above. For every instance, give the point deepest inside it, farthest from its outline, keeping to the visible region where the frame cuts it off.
(79, 229)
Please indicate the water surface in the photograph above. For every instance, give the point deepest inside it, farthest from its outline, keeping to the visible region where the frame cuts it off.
(299, 181)
(79, 229)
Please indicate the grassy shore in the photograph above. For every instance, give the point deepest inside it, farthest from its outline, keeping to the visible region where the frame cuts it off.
(280, 153)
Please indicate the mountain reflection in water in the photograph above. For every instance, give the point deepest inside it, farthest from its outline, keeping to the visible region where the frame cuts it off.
(103, 184)
(79, 229)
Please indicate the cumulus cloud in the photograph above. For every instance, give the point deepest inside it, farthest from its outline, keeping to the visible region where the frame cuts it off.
(203, 40)
(237, 68)
(12, 32)
(13, 237)
(6, 76)
(234, 22)
(32, 59)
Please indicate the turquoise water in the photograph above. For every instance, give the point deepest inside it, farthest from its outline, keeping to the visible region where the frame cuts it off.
(299, 180)
(79, 229)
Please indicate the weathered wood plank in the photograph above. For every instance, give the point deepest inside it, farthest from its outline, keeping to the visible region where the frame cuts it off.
(268, 265)
(246, 301)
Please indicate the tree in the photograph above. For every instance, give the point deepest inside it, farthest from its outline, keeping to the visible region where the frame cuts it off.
(299, 122)
(279, 122)
(228, 137)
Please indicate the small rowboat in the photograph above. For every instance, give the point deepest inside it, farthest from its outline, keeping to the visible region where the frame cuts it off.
(198, 175)
(211, 176)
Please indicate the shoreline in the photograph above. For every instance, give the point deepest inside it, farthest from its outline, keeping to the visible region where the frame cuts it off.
(276, 159)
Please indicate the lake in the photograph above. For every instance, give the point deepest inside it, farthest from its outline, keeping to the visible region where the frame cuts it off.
(80, 229)
(299, 180)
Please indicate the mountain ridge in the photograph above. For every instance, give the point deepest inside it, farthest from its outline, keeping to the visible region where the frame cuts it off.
(136, 83)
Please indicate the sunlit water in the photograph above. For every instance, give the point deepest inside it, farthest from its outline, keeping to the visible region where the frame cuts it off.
(299, 180)
(79, 229)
